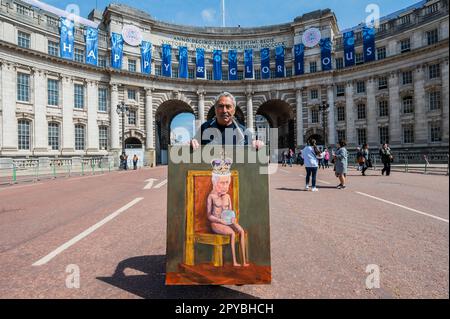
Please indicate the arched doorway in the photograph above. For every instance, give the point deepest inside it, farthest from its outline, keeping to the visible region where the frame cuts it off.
(317, 134)
(134, 146)
(182, 128)
(164, 115)
(277, 114)
(239, 115)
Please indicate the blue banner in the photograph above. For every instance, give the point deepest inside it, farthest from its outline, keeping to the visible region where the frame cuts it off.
(248, 62)
(183, 64)
(167, 60)
(146, 57)
(232, 65)
(265, 63)
(67, 38)
(299, 58)
(369, 43)
(91, 46)
(217, 65)
(349, 48)
(116, 50)
(325, 53)
(200, 64)
(279, 62)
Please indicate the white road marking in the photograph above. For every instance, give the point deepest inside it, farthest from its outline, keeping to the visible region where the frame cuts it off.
(150, 183)
(88, 231)
(410, 209)
(319, 180)
(164, 182)
(284, 171)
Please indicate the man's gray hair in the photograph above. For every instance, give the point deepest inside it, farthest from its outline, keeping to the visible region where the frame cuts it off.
(226, 94)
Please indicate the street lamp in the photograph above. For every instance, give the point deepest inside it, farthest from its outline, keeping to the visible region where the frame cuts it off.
(324, 109)
(121, 109)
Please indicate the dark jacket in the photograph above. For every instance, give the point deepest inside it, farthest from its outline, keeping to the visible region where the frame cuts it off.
(222, 135)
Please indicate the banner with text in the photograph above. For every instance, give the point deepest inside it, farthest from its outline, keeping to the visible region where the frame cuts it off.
(183, 64)
(265, 63)
(299, 59)
(349, 48)
(116, 50)
(67, 38)
(217, 65)
(369, 43)
(248, 63)
(279, 62)
(146, 57)
(325, 52)
(91, 46)
(167, 60)
(200, 63)
(232, 65)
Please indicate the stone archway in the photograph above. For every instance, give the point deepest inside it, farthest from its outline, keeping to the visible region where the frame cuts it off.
(317, 134)
(239, 115)
(163, 117)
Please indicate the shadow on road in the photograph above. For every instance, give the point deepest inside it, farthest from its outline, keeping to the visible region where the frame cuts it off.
(151, 284)
(290, 189)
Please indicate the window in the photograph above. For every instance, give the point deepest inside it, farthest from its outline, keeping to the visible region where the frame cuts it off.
(361, 136)
(209, 74)
(340, 90)
(408, 134)
(175, 71)
(314, 116)
(273, 74)
(361, 111)
(132, 65)
(289, 71)
(102, 61)
(53, 48)
(405, 19)
(257, 74)
(312, 67)
(383, 133)
(407, 77)
(131, 94)
(408, 106)
(191, 73)
(360, 87)
(158, 70)
(102, 99)
(53, 92)
(405, 45)
(434, 99)
(383, 108)
(314, 94)
(53, 136)
(24, 134)
(382, 83)
(341, 135)
(103, 137)
(432, 8)
(383, 27)
(359, 58)
(23, 87)
(79, 55)
(132, 117)
(381, 53)
(341, 113)
(79, 96)
(24, 10)
(434, 71)
(240, 74)
(23, 40)
(432, 37)
(435, 132)
(339, 63)
(79, 137)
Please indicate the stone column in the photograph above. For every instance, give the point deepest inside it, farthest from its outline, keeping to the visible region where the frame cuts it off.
(331, 114)
(201, 105)
(350, 115)
(445, 102)
(40, 110)
(149, 128)
(92, 111)
(9, 118)
(395, 130)
(299, 114)
(68, 129)
(250, 121)
(372, 111)
(420, 107)
(115, 134)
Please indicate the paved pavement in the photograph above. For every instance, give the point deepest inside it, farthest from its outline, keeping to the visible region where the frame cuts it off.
(112, 229)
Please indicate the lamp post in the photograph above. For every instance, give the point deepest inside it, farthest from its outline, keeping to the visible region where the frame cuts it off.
(323, 108)
(121, 109)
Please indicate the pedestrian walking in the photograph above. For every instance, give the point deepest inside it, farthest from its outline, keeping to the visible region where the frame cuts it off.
(291, 157)
(386, 159)
(367, 162)
(284, 159)
(135, 161)
(309, 154)
(341, 163)
(326, 158)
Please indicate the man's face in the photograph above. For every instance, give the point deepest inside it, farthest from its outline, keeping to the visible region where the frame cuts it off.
(222, 185)
(225, 111)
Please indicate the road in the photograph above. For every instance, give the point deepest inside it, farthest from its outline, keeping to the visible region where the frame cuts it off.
(112, 229)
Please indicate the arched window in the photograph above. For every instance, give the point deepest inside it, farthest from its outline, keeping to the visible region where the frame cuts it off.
(53, 136)
(23, 134)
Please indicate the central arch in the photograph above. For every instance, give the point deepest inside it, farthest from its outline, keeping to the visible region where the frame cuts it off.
(164, 115)
(239, 115)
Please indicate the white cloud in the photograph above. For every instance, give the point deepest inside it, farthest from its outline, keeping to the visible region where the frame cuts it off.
(208, 15)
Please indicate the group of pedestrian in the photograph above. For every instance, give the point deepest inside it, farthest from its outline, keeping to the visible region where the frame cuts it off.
(288, 157)
(364, 161)
(124, 161)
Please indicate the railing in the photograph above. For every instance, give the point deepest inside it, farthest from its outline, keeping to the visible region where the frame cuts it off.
(436, 163)
(30, 170)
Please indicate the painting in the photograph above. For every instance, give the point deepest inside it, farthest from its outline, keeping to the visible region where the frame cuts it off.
(218, 219)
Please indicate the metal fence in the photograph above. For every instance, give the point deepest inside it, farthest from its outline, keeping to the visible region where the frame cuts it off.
(30, 170)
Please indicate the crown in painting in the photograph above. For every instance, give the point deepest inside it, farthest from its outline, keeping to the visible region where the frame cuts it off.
(221, 166)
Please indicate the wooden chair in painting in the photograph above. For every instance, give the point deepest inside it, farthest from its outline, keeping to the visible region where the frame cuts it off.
(198, 230)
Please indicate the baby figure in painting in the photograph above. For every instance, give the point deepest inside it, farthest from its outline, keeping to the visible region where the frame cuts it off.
(220, 210)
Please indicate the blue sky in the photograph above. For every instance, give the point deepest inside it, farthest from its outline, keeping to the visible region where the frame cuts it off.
(246, 13)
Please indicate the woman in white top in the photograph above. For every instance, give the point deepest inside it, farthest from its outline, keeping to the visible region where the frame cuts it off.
(309, 154)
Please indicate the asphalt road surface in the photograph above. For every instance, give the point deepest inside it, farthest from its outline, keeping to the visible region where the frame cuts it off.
(104, 237)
